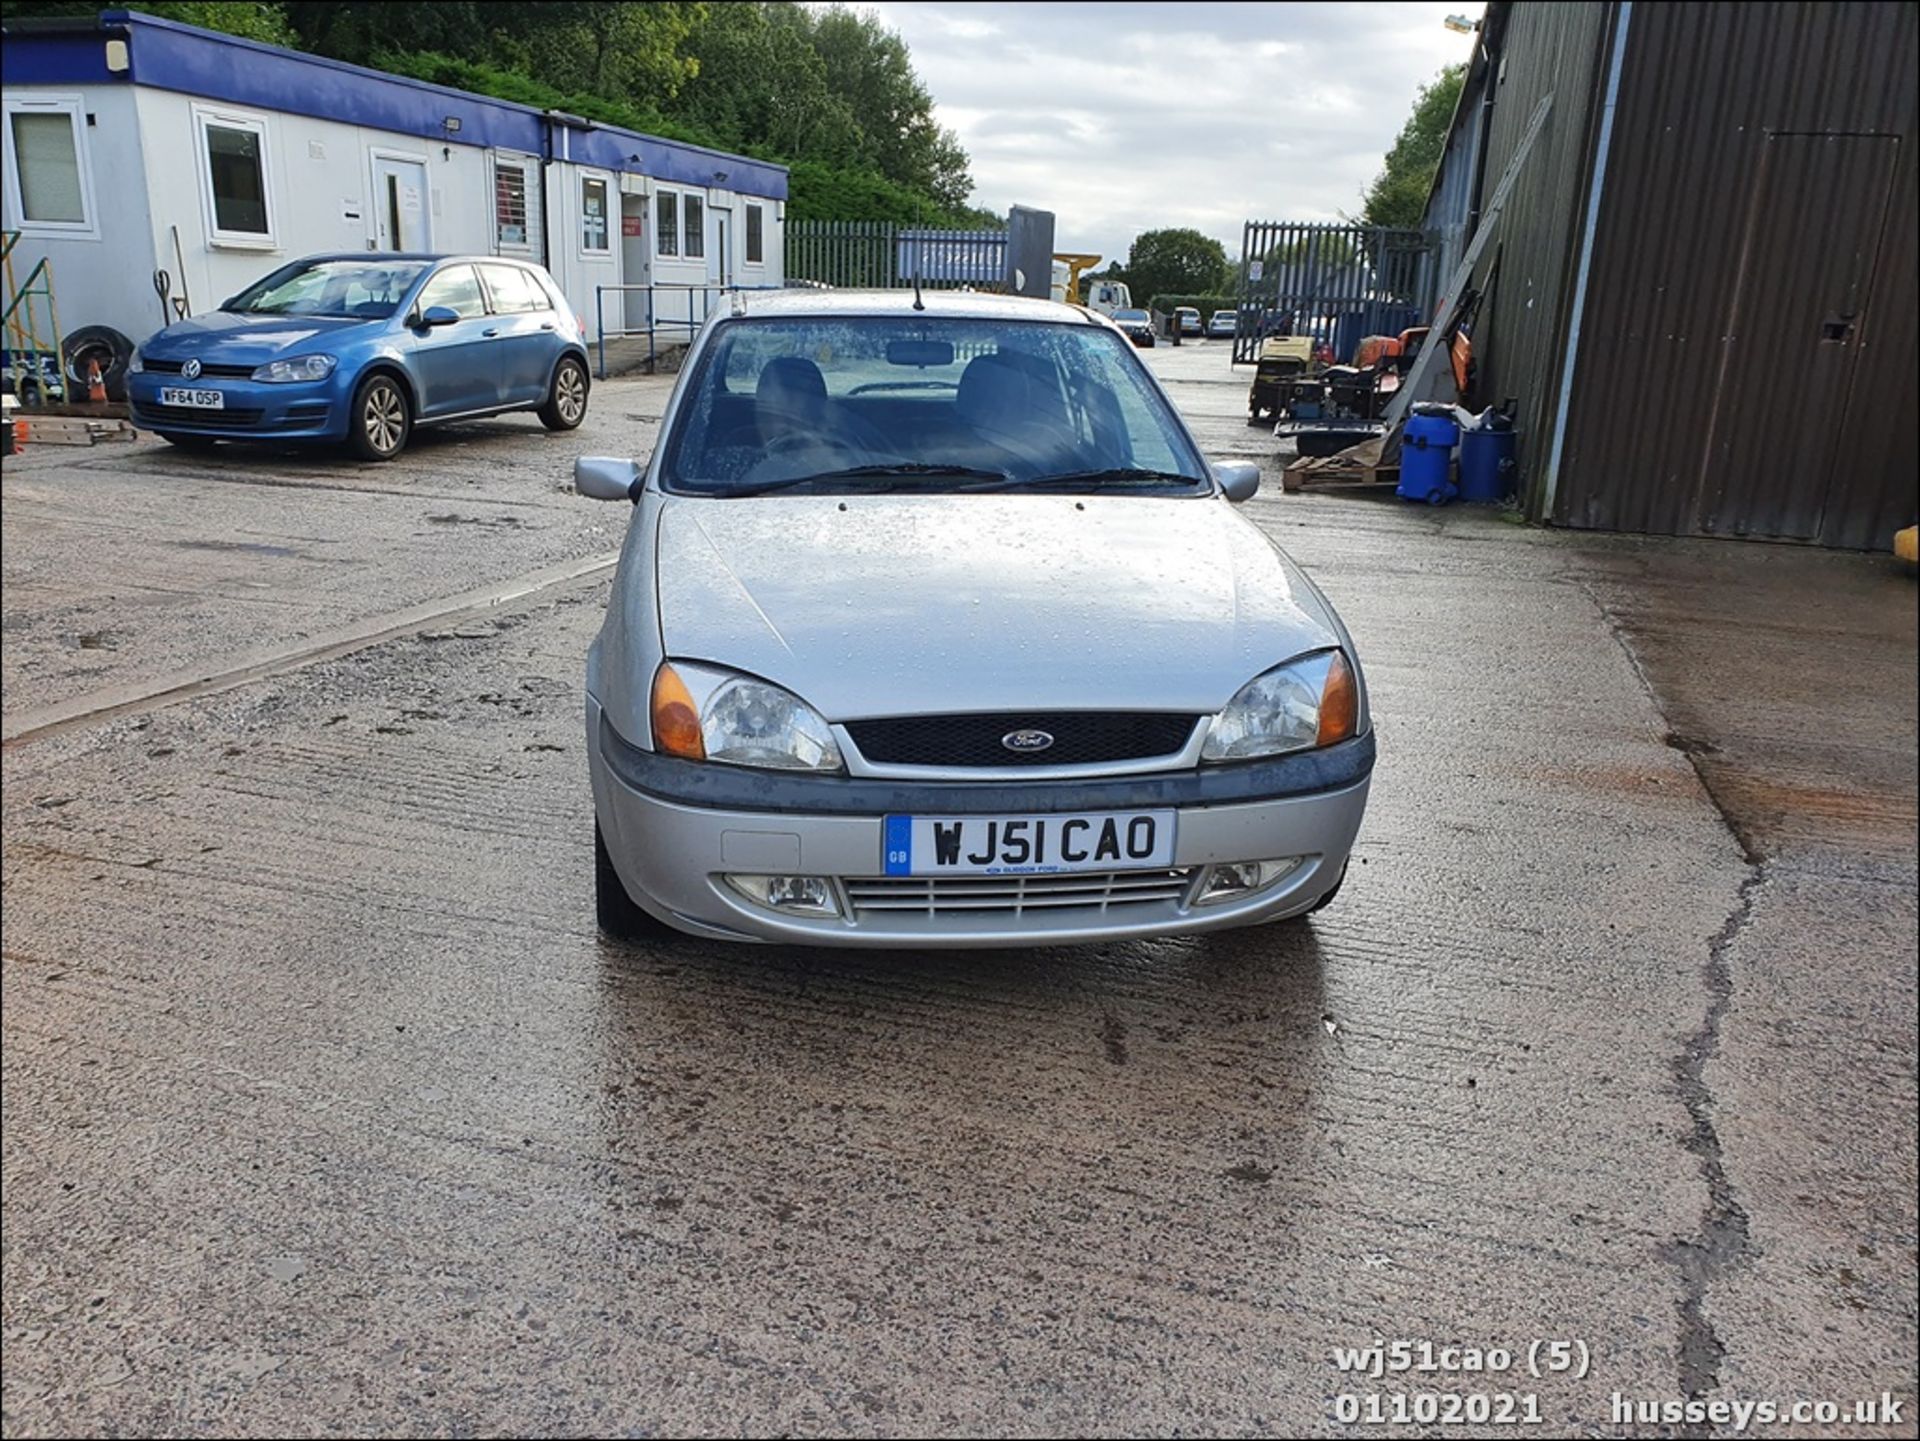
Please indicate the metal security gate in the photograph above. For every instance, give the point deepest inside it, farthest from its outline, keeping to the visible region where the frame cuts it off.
(1335, 283)
(879, 255)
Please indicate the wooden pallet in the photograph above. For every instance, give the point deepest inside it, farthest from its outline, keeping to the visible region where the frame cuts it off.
(1357, 465)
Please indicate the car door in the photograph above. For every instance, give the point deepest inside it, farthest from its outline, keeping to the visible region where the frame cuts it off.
(458, 366)
(529, 335)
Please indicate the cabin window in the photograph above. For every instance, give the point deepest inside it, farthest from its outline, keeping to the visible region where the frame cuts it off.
(233, 154)
(756, 242)
(510, 206)
(696, 228)
(666, 228)
(47, 181)
(594, 236)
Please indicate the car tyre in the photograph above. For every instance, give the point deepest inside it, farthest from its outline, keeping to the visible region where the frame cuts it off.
(381, 418)
(101, 345)
(619, 916)
(188, 442)
(566, 403)
(1327, 899)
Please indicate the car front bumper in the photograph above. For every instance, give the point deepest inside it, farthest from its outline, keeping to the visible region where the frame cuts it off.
(674, 830)
(253, 410)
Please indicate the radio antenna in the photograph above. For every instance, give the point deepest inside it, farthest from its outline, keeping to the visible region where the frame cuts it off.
(918, 302)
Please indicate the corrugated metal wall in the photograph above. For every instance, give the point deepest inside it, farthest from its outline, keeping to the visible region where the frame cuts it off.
(1748, 352)
(1541, 49)
(1451, 203)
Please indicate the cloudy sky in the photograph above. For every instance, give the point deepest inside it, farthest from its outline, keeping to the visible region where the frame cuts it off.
(1127, 117)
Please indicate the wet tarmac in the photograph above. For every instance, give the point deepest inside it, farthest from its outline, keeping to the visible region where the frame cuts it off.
(328, 1111)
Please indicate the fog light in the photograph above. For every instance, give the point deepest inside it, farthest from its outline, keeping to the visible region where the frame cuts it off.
(1234, 879)
(796, 895)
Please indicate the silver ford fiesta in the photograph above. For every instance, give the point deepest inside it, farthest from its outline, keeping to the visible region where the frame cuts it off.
(934, 628)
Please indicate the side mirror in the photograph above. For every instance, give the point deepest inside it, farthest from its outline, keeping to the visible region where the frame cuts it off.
(608, 477)
(440, 315)
(1240, 479)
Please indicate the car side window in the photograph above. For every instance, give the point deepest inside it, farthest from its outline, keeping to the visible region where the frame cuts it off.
(513, 290)
(457, 288)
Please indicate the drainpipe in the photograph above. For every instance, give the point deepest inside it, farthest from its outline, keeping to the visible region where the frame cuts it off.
(546, 220)
(1550, 488)
(1489, 79)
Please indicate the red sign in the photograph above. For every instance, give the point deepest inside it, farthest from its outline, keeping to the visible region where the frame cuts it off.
(629, 225)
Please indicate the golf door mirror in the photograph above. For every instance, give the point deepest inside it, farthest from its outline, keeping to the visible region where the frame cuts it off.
(1240, 479)
(440, 315)
(608, 477)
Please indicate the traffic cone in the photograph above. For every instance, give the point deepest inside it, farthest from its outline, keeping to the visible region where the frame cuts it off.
(96, 388)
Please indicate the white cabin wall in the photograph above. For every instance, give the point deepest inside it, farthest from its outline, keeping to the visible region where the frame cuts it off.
(105, 278)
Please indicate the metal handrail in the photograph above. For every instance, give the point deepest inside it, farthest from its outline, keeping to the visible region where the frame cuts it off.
(655, 324)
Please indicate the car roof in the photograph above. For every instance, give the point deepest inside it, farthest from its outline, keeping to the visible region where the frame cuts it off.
(944, 304)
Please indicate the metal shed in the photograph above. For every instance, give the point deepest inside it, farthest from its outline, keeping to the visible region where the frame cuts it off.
(1703, 292)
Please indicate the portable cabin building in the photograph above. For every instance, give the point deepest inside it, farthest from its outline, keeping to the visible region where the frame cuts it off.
(140, 152)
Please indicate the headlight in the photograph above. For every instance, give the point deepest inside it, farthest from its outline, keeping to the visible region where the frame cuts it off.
(135, 366)
(704, 714)
(301, 367)
(1309, 702)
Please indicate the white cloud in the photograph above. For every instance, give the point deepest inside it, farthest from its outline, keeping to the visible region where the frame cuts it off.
(1128, 117)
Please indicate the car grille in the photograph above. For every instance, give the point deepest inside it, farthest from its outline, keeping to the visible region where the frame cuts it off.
(1079, 738)
(159, 417)
(1013, 895)
(172, 367)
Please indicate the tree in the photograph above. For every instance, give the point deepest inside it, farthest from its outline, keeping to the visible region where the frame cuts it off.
(829, 91)
(760, 82)
(1176, 262)
(872, 71)
(265, 22)
(1398, 195)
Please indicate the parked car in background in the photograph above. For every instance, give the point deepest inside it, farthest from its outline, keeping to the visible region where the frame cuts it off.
(1138, 326)
(360, 349)
(1188, 319)
(1221, 324)
(934, 627)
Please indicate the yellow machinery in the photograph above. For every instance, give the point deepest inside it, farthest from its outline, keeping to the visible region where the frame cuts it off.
(1076, 266)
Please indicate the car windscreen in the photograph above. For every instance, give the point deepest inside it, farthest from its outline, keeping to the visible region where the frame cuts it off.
(921, 403)
(1124, 316)
(340, 289)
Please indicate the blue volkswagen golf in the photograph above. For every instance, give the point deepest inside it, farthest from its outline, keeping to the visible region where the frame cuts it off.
(360, 349)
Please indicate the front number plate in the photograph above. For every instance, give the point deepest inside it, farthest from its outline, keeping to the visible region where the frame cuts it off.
(1028, 845)
(193, 399)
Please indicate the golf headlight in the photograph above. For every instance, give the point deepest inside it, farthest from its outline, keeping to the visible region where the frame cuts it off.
(135, 365)
(704, 714)
(301, 367)
(1305, 703)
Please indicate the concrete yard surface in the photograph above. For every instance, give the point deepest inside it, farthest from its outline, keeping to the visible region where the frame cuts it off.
(329, 1111)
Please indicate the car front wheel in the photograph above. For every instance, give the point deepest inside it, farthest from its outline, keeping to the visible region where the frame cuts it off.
(381, 419)
(616, 911)
(566, 403)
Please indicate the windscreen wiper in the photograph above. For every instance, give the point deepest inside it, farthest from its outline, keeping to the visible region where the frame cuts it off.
(1118, 475)
(889, 471)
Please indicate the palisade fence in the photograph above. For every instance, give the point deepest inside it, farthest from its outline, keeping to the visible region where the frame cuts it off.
(879, 255)
(1333, 282)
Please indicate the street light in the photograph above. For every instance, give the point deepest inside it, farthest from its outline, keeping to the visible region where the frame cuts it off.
(1460, 25)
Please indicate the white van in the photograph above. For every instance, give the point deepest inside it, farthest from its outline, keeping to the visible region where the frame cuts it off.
(1107, 296)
